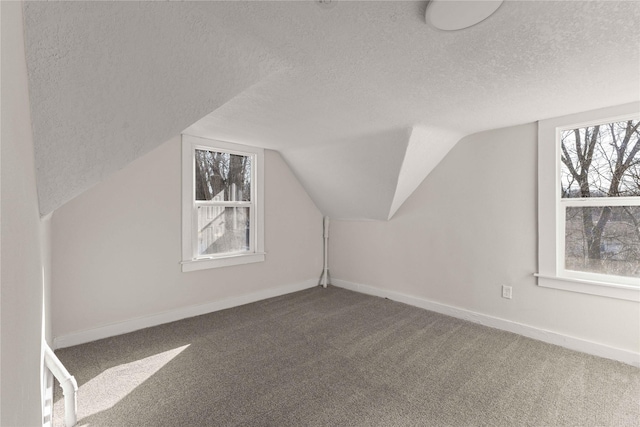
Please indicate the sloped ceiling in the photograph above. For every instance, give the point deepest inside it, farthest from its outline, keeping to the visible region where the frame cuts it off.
(362, 99)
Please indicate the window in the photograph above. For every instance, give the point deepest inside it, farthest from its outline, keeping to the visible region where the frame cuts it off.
(222, 204)
(589, 202)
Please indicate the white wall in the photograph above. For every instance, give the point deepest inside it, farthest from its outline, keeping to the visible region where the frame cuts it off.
(116, 248)
(21, 297)
(469, 228)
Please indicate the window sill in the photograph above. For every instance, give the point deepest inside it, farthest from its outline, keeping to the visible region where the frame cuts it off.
(624, 292)
(226, 261)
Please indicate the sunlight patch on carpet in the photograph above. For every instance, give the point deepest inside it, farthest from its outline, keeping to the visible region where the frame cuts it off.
(114, 384)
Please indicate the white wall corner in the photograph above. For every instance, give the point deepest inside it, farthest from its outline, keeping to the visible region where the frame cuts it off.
(355, 178)
(566, 341)
(426, 147)
(138, 323)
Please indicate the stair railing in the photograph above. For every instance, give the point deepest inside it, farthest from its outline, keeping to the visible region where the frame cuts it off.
(67, 382)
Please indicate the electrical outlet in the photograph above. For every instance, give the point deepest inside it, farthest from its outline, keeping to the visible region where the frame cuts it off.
(506, 292)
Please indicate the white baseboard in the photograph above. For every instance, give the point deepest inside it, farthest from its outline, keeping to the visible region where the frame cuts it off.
(131, 325)
(550, 337)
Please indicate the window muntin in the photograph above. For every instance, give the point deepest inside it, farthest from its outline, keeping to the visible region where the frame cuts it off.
(599, 195)
(222, 204)
(552, 208)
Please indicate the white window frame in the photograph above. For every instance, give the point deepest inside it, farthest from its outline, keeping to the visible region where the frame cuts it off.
(191, 262)
(551, 209)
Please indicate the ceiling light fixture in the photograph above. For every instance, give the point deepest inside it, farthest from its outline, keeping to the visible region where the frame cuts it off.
(452, 15)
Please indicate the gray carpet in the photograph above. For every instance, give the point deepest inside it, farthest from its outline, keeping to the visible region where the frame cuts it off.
(331, 357)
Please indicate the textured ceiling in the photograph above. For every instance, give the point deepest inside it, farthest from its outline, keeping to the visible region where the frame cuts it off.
(361, 98)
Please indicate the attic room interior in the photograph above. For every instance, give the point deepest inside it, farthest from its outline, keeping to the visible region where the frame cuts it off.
(320, 212)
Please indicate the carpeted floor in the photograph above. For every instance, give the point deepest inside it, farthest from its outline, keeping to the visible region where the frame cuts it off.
(331, 357)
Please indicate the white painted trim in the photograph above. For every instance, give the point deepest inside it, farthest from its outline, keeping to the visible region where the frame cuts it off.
(189, 230)
(610, 290)
(222, 261)
(551, 270)
(47, 398)
(566, 341)
(135, 324)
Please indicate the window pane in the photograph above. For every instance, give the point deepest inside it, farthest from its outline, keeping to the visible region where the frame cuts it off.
(222, 176)
(603, 240)
(222, 230)
(601, 161)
